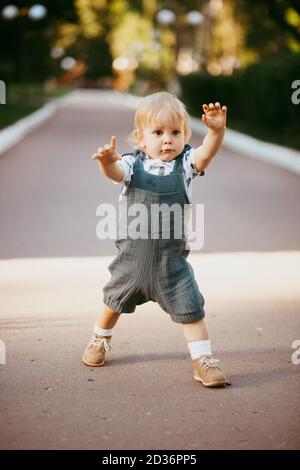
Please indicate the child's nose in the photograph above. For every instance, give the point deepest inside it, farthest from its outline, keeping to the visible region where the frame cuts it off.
(167, 139)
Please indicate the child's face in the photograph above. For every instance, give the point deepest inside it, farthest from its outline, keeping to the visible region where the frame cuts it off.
(163, 139)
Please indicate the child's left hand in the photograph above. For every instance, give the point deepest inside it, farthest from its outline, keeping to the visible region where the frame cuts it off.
(215, 116)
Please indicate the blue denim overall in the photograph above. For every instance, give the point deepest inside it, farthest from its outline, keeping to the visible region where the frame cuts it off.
(154, 268)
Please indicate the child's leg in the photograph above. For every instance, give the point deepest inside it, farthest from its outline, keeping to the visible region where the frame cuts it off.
(195, 331)
(206, 369)
(197, 338)
(94, 354)
(105, 323)
(108, 318)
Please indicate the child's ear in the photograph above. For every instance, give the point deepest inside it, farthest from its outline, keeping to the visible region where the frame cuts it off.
(139, 138)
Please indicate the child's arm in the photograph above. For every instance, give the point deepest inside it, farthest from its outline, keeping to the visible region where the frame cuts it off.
(107, 159)
(215, 119)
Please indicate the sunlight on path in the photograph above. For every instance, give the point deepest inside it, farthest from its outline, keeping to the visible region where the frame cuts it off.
(69, 286)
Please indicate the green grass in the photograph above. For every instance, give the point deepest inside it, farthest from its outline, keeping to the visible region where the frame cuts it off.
(24, 100)
(9, 114)
(33, 90)
(59, 91)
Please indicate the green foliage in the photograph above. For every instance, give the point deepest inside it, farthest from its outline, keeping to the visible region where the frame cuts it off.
(25, 44)
(98, 59)
(271, 26)
(12, 113)
(258, 98)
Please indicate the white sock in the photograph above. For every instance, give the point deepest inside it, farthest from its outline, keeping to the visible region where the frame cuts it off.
(101, 331)
(199, 348)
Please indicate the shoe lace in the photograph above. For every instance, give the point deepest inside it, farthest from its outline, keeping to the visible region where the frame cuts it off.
(98, 342)
(207, 362)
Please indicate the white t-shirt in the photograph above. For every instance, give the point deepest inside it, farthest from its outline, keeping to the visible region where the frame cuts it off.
(159, 167)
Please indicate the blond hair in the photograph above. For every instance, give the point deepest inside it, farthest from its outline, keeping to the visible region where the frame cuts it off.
(149, 110)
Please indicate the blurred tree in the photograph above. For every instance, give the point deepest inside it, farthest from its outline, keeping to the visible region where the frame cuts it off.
(272, 27)
(87, 41)
(25, 43)
(227, 33)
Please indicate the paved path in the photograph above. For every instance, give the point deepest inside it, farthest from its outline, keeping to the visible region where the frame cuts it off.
(52, 269)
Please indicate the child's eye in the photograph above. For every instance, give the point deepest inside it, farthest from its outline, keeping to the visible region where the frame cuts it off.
(158, 132)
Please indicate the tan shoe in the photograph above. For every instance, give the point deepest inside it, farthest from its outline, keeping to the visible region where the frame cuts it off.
(94, 354)
(207, 372)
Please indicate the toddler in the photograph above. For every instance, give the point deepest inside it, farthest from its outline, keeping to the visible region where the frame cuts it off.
(159, 171)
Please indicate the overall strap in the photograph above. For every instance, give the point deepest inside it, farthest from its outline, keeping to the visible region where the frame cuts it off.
(179, 160)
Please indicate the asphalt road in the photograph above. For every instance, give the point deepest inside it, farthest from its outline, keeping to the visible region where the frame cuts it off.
(53, 268)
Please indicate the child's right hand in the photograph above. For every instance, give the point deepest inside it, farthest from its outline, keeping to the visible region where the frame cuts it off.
(107, 154)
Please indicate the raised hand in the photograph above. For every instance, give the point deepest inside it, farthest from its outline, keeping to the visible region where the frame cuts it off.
(215, 116)
(107, 154)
